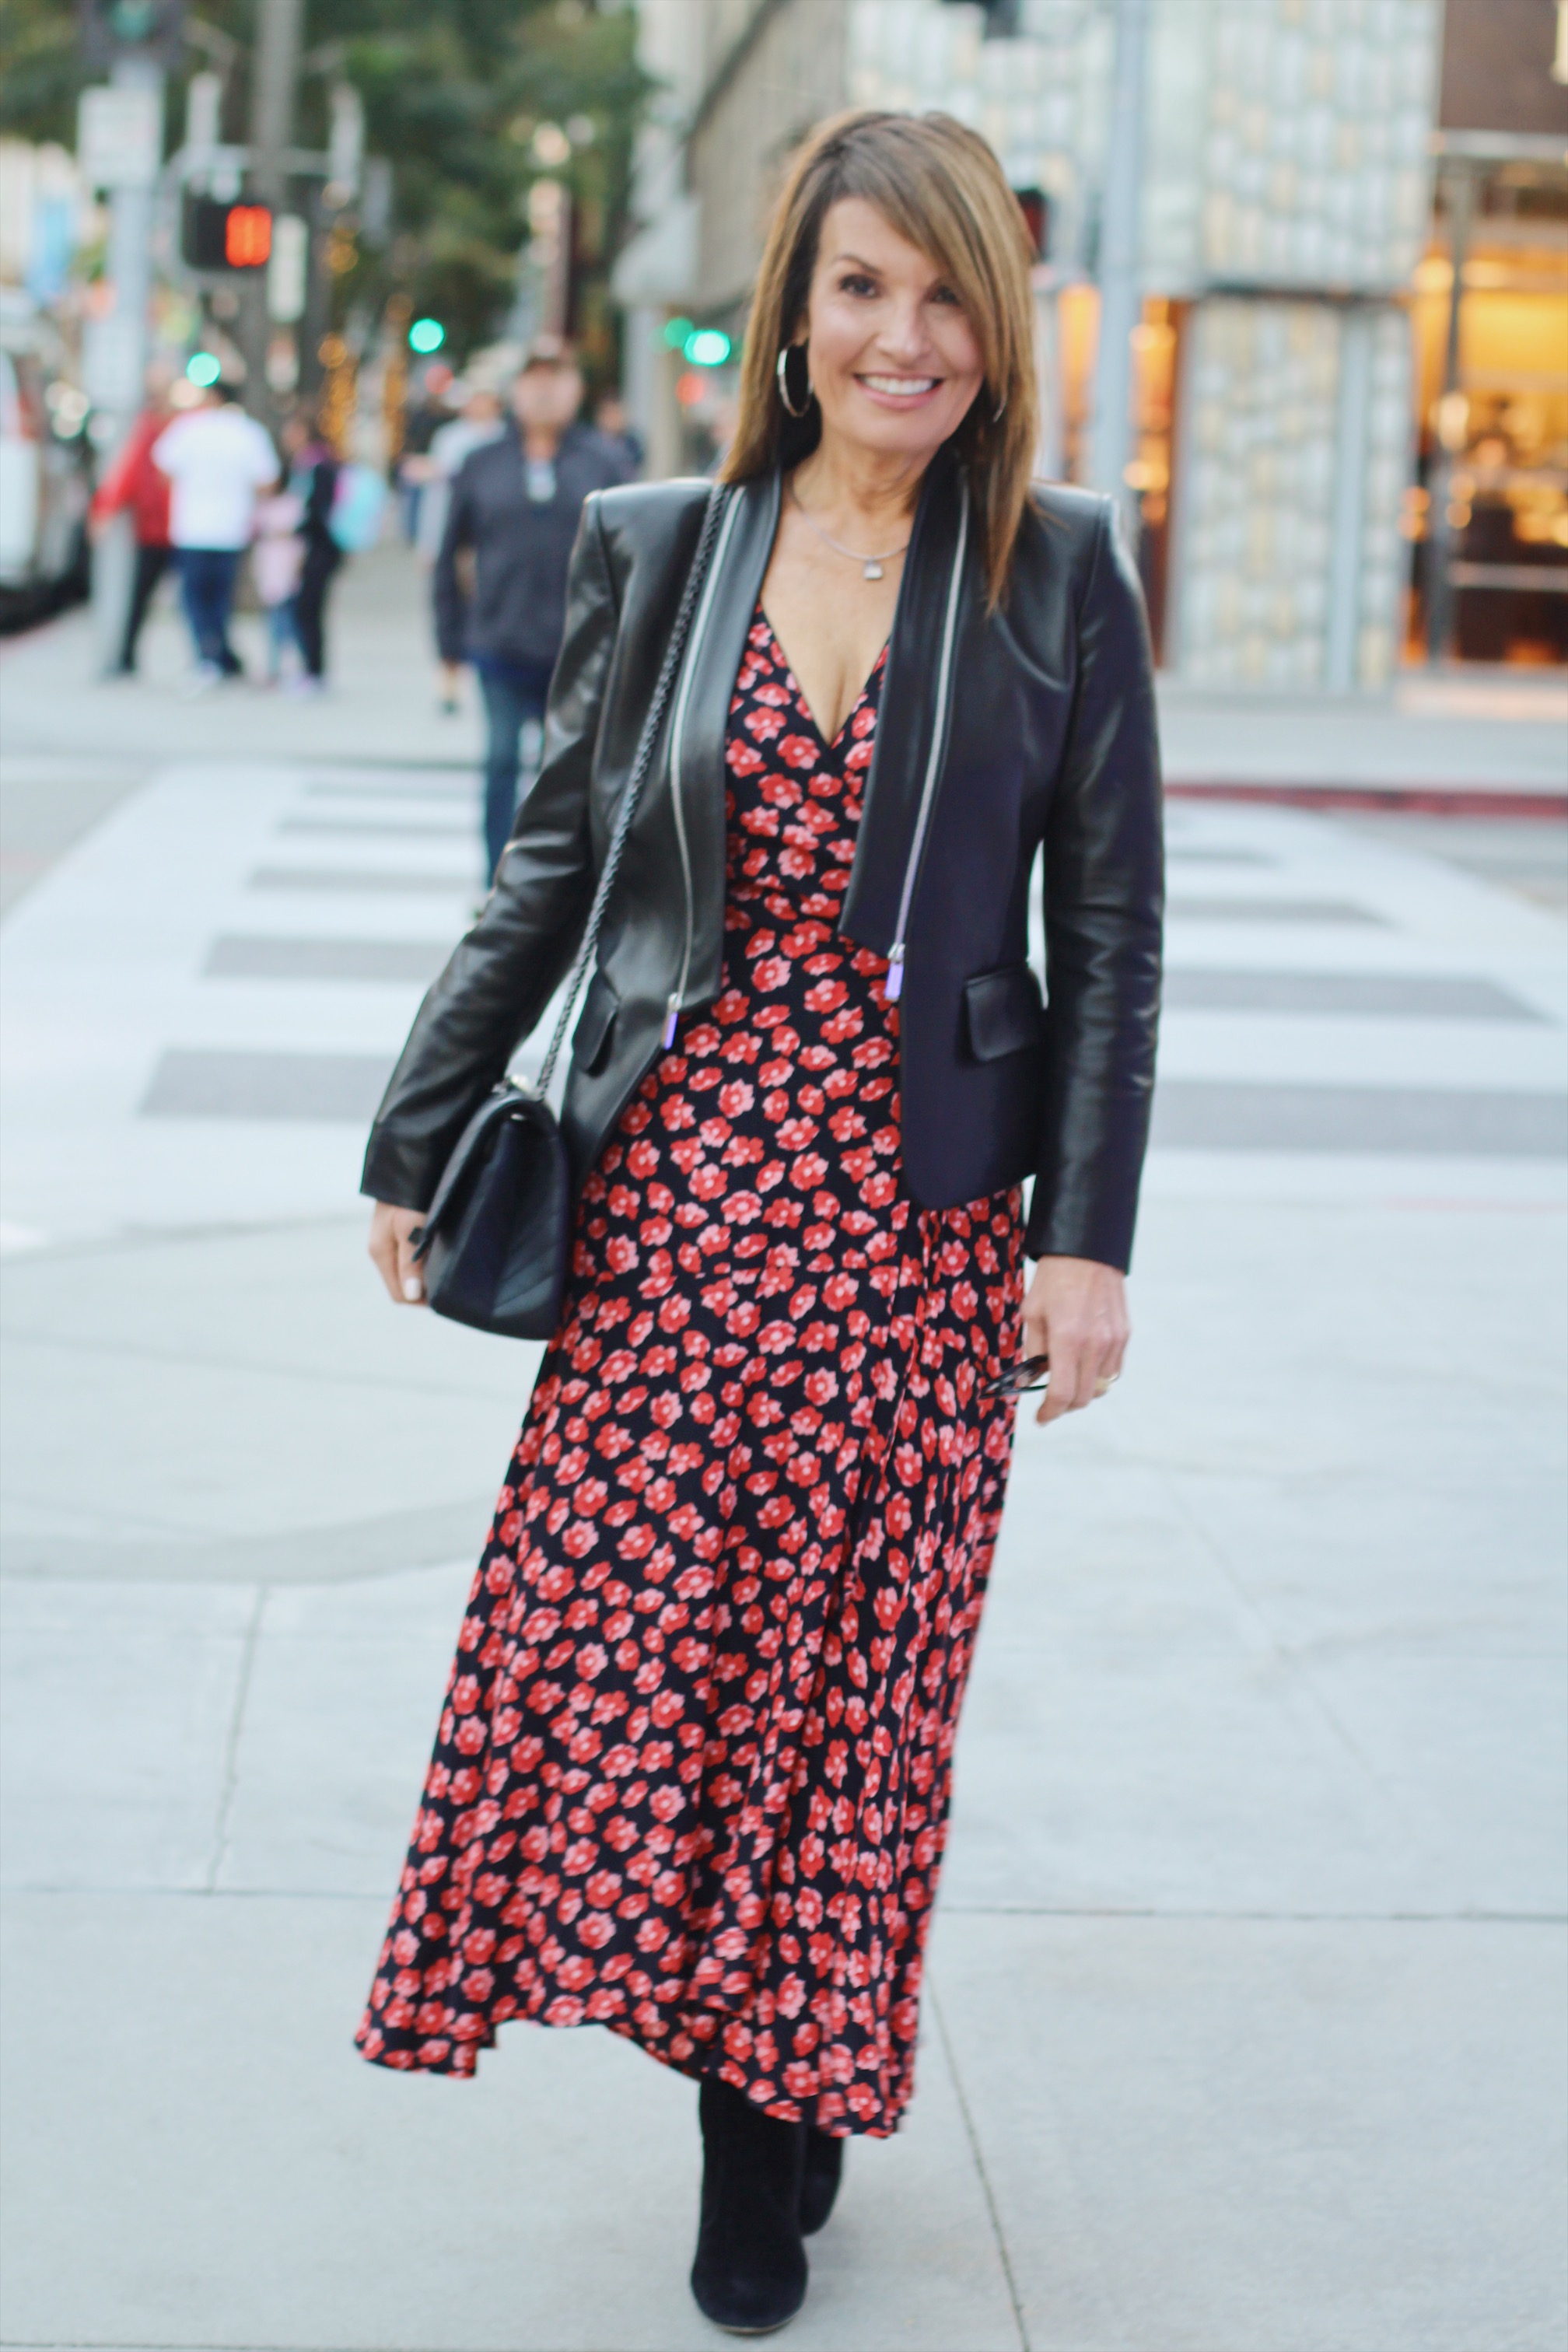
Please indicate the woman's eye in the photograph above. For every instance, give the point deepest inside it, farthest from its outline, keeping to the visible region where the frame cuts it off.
(945, 294)
(857, 282)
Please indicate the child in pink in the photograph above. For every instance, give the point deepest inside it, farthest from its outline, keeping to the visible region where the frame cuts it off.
(277, 559)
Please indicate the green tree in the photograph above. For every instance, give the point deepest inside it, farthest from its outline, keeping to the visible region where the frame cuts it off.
(40, 70)
(455, 92)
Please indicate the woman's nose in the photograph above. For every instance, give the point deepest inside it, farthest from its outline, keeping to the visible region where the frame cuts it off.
(903, 333)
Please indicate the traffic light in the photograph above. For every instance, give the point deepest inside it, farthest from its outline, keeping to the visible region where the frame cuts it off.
(112, 30)
(226, 236)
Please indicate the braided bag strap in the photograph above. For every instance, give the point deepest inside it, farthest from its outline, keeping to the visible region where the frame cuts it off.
(668, 671)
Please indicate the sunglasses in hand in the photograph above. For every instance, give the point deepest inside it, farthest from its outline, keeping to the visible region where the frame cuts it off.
(1020, 1379)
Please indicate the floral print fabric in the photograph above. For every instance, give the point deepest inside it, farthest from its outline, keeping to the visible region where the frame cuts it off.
(691, 1780)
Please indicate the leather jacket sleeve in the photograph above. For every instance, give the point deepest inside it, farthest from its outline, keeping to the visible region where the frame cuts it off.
(1104, 891)
(504, 973)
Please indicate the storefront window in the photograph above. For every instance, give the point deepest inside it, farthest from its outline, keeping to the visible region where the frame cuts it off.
(1156, 349)
(1505, 428)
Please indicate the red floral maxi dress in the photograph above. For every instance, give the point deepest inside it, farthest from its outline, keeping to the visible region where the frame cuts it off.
(691, 1776)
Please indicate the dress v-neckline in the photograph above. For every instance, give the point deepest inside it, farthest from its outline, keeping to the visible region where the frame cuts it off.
(814, 723)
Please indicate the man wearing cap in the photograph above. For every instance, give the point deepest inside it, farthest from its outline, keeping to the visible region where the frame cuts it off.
(515, 507)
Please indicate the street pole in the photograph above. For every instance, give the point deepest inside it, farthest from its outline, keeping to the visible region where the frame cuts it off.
(1121, 290)
(276, 72)
(1453, 419)
(121, 371)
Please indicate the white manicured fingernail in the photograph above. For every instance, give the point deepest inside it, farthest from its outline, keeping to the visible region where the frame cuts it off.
(412, 1289)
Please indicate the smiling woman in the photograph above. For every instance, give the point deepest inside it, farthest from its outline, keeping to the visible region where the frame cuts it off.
(888, 360)
(897, 265)
(692, 1780)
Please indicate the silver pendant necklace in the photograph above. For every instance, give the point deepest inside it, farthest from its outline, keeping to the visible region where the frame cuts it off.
(870, 565)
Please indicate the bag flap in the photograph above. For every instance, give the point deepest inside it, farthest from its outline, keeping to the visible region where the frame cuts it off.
(502, 1102)
(591, 1038)
(1004, 1011)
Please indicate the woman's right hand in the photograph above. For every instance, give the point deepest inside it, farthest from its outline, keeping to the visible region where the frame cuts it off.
(392, 1235)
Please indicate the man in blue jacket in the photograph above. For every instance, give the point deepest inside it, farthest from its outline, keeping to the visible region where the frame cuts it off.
(515, 508)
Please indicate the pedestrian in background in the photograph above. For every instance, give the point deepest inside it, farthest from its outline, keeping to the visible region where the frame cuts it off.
(612, 420)
(480, 418)
(421, 424)
(216, 460)
(277, 559)
(516, 505)
(691, 1778)
(134, 483)
(314, 470)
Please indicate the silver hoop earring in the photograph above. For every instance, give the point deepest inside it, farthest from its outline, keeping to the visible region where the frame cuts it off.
(1000, 410)
(782, 372)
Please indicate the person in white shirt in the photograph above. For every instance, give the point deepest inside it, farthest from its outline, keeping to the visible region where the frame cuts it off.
(217, 459)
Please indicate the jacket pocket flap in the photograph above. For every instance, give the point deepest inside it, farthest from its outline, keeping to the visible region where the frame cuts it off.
(591, 1037)
(1003, 1012)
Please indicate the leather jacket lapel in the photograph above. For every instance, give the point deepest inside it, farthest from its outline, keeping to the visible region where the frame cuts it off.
(717, 660)
(907, 714)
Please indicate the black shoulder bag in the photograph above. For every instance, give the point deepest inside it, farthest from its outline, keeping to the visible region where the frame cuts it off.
(496, 1235)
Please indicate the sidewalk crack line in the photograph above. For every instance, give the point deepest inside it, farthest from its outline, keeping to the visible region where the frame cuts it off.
(231, 1751)
(975, 2149)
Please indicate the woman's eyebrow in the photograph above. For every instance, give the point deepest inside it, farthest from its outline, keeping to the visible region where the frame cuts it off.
(839, 259)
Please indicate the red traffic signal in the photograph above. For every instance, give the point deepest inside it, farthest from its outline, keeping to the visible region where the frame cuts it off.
(247, 236)
(226, 237)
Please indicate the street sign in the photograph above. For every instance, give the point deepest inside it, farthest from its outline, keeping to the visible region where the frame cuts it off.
(287, 270)
(112, 355)
(120, 135)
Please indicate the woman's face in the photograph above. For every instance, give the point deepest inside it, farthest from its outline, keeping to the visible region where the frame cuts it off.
(894, 361)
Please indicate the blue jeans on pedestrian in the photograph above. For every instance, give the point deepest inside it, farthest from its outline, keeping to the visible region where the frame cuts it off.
(208, 575)
(513, 693)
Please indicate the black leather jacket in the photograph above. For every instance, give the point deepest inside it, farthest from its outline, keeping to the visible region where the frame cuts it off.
(1029, 731)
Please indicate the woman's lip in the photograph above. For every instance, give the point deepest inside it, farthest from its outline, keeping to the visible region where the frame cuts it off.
(922, 388)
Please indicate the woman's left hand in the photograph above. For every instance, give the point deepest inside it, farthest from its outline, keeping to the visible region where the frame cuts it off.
(1076, 1313)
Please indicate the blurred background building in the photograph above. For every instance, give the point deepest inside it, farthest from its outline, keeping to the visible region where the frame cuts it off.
(1324, 477)
(1338, 453)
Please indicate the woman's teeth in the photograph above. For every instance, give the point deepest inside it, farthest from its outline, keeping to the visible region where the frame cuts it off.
(904, 387)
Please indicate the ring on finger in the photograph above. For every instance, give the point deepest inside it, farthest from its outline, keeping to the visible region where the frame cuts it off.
(1103, 1387)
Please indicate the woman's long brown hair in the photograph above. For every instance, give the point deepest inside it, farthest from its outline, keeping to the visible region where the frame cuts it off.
(939, 186)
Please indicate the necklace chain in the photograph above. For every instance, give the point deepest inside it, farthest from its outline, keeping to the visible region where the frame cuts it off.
(870, 565)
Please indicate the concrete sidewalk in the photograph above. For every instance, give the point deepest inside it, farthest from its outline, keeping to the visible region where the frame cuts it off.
(381, 660)
(1461, 737)
(1244, 2018)
(1503, 733)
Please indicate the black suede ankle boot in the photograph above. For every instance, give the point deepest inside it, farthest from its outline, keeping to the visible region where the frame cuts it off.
(819, 2182)
(749, 2273)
